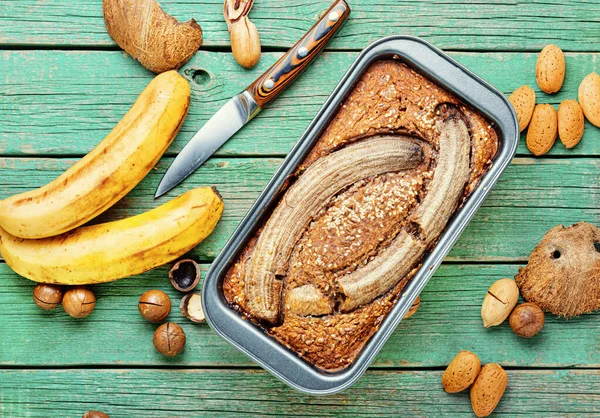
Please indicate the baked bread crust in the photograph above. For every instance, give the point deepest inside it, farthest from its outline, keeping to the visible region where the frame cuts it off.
(363, 219)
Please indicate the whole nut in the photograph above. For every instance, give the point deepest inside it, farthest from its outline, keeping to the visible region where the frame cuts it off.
(523, 101)
(500, 300)
(589, 98)
(413, 308)
(169, 339)
(550, 69)
(79, 302)
(571, 123)
(154, 305)
(461, 372)
(488, 388)
(245, 42)
(543, 129)
(47, 296)
(95, 414)
(527, 320)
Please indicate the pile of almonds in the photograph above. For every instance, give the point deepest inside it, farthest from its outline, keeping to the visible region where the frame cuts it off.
(487, 383)
(545, 124)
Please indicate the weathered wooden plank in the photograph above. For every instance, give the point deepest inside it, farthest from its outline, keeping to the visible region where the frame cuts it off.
(64, 103)
(448, 320)
(184, 393)
(532, 196)
(483, 25)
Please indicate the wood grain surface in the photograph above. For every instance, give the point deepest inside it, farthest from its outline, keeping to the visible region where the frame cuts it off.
(447, 321)
(64, 84)
(245, 393)
(65, 102)
(532, 196)
(470, 25)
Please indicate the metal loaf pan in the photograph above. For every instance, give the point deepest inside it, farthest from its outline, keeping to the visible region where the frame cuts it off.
(265, 350)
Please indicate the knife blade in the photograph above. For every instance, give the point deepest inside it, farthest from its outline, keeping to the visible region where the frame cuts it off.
(243, 107)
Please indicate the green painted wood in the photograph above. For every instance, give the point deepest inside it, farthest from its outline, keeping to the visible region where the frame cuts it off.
(482, 25)
(65, 102)
(447, 321)
(228, 393)
(531, 197)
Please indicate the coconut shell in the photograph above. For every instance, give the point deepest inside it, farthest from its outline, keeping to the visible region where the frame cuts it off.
(563, 273)
(149, 34)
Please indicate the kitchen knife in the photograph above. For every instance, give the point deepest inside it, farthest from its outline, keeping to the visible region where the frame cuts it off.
(243, 107)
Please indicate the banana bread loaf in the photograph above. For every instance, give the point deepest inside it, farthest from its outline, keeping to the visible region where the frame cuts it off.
(360, 213)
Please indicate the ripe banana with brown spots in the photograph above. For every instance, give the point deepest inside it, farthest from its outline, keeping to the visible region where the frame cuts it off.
(109, 171)
(114, 250)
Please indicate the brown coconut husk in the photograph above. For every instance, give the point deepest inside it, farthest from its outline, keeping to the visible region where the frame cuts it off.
(150, 35)
(563, 273)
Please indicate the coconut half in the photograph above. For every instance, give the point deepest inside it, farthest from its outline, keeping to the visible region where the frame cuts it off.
(150, 35)
(563, 273)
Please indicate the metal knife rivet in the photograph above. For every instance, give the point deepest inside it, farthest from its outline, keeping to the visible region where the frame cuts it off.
(269, 84)
(334, 16)
(302, 52)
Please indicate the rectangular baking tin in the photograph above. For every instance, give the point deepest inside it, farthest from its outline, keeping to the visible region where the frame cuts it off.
(265, 350)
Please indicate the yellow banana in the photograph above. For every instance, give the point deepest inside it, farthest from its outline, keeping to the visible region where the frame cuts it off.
(114, 250)
(109, 171)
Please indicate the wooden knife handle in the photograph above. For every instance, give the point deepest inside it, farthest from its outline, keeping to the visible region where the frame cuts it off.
(287, 68)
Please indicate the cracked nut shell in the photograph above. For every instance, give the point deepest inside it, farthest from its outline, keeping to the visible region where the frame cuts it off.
(191, 307)
(185, 275)
(154, 305)
(79, 302)
(500, 300)
(527, 320)
(47, 296)
(169, 339)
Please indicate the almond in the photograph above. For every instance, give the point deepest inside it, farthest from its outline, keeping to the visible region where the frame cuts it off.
(543, 129)
(500, 300)
(461, 372)
(550, 69)
(523, 100)
(589, 98)
(570, 123)
(488, 389)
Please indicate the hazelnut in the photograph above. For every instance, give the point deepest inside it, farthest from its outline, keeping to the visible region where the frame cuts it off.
(191, 307)
(47, 296)
(154, 305)
(185, 275)
(527, 320)
(95, 414)
(169, 339)
(79, 302)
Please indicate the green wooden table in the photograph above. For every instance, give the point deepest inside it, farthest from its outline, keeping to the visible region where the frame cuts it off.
(64, 84)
